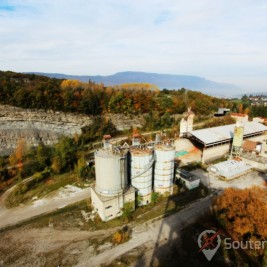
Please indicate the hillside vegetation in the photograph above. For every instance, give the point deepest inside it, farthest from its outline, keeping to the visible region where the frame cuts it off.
(39, 92)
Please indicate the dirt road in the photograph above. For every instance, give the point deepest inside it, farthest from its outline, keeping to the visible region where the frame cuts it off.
(19, 214)
(153, 232)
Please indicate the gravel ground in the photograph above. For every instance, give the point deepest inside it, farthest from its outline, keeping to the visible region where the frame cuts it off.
(251, 179)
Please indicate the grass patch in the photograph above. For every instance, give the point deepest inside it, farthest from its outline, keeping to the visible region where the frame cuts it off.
(41, 188)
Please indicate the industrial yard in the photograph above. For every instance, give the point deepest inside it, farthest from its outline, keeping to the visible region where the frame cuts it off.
(144, 187)
(253, 178)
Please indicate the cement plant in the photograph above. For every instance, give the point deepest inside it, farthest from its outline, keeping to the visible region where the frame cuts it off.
(132, 172)
(139, 175)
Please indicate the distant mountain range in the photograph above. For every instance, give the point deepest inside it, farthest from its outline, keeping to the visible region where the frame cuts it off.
(167, 81)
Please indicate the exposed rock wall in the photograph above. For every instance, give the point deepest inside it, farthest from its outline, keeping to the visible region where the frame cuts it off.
(47, 126)
(36, 125)
(123, 122)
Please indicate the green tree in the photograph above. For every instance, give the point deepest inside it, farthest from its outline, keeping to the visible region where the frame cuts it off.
(43, 155)
(64, 155)
(166, 120)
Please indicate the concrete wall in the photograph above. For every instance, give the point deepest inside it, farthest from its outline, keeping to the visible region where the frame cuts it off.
(109, 208)
(214, 153)
(217, 152)
(97, 204)
(255, 164)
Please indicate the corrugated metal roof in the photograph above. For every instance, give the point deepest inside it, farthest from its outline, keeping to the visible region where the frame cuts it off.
(230, 168)
(226, 132)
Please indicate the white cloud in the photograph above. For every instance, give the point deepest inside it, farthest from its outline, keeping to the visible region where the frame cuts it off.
(206, 38)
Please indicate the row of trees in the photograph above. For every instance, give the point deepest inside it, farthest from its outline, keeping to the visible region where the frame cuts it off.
(245, 106)
(95, 99)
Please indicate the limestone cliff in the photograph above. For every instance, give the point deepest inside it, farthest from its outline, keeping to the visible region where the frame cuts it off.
(47, 126)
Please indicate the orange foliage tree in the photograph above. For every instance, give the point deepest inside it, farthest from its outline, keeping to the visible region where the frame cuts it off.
(17, 156)
(243, 213)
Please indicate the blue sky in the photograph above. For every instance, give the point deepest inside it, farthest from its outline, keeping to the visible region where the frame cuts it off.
(221, 40)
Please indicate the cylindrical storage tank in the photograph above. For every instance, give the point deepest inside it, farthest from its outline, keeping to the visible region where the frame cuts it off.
(141, 174)
(158, 138)
(164, 168)
(111, 172)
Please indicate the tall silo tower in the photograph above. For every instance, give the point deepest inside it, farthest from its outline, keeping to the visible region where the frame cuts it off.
(164, 168)
(158, 138)
(111, 172)
(141, 173)
(186, 123)
(237, 140)
(111, 190)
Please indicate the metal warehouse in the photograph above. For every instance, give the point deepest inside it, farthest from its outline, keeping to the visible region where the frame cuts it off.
(215, 142)
(224, 134)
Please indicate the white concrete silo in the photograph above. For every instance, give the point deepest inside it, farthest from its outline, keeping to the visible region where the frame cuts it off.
(164, 168)
(141, 173)
(111, 173)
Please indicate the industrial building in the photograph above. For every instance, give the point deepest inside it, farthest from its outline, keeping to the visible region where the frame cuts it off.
(129, 173)
(240, 117)
(216, 142)
(111, 190)
(221, 112)
(230, 169)
(189, 180)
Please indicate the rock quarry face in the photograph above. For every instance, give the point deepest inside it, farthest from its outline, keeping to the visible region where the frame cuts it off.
(35, 126)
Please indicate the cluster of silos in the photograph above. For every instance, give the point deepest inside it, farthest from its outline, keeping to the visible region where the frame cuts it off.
(152, 170)
(111, 172)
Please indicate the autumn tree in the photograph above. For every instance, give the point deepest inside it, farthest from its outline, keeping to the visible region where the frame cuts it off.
(243, 213)
(20, 151)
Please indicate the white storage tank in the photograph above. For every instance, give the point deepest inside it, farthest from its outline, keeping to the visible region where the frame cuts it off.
(141, 173)
(111, 172)
(164, 168)
(158, 138)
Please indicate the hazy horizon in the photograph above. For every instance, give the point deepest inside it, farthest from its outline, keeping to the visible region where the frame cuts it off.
(222, 41)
